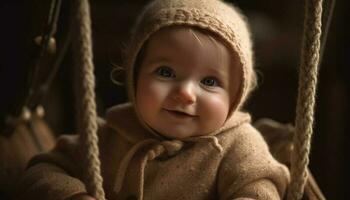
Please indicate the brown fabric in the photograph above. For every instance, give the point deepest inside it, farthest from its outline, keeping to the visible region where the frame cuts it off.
(279, 137)
(233, 163)
(26, 139)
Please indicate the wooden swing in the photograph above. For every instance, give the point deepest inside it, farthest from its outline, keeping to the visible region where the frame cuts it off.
(290, 146)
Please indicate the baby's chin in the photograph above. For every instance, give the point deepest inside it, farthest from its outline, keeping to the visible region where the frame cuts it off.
(181, 134)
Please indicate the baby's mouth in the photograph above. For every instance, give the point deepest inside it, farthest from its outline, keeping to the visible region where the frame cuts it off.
(179, 113)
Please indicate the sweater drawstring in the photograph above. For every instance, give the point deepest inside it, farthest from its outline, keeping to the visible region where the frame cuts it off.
(125, 163)
(157, 149)
(164, 148)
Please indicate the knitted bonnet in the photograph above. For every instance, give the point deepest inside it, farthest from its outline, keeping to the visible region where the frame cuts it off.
(214, 16)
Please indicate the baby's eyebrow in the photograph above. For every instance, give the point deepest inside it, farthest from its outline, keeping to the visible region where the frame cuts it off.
(157, 59)
(217, 72)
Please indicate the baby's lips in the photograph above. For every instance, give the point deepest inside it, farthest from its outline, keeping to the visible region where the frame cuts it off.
(181, 112)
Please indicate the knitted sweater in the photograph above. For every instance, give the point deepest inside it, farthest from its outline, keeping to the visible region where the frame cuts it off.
(232, 163)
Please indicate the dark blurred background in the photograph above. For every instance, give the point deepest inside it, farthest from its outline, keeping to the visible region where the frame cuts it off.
(277, 28)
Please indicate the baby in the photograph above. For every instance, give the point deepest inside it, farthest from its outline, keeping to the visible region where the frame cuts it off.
(183, 134)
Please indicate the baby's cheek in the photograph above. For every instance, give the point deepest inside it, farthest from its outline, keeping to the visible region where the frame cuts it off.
(156, 90)
(152, 94)
(215, 108)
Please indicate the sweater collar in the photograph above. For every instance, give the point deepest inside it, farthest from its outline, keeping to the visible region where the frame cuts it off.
(123, 119)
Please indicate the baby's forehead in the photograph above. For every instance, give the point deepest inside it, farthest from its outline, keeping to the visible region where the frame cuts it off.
(189, 42)
(189, 49)
(182, 38)
(185, 33)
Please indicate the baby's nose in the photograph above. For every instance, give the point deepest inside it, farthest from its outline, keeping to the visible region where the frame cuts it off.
(185, 94)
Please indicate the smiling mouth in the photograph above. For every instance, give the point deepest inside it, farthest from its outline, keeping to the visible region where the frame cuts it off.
(179, 113)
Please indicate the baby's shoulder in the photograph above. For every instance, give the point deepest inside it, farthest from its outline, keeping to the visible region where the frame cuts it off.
(243, 136)
(119, 112)
(122, 120)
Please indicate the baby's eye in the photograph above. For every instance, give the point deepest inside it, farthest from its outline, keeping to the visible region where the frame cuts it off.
(210, 81)
(165, 72)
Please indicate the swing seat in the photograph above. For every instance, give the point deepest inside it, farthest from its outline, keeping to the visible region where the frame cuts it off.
(18, 144)
(280, 140)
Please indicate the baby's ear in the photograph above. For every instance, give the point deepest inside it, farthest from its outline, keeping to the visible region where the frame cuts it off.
(118, 75)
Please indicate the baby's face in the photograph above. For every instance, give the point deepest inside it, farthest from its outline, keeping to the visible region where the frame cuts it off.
(183, 83)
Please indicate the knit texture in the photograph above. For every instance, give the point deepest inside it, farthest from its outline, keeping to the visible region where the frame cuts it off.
(233, 164)
(221, 19)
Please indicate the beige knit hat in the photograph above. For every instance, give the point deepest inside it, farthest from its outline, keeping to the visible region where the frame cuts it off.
(223, 20)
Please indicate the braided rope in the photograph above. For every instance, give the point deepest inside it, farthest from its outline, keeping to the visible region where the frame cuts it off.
(306, 98)
(87, 122)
